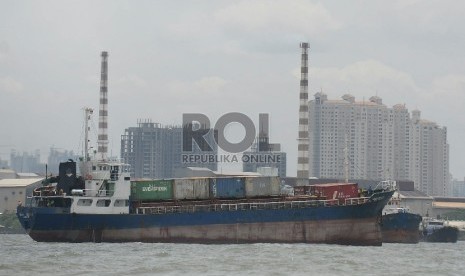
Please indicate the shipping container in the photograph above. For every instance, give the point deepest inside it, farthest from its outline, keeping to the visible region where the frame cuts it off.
(227, 187)
(150, 190)
(339, 191)
(262, 186)
(302, 190)
(191, 188)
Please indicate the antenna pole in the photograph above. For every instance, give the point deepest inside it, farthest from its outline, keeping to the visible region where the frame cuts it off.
(87, 113)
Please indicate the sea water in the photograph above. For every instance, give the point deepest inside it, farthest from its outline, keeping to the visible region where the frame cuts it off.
(20, 255)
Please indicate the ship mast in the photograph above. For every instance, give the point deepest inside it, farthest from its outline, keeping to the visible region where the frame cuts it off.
(87, 113)
(103, 110)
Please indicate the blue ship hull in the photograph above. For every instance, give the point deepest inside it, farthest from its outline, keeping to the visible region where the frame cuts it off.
(348, 224)
(401, 228)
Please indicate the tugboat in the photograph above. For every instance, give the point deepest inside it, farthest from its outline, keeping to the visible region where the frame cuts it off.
(437, 230)
(398, 224)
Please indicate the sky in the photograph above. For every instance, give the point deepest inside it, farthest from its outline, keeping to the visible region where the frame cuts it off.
(167, 58)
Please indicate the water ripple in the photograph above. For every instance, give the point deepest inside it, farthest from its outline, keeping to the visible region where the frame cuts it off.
(19, 255)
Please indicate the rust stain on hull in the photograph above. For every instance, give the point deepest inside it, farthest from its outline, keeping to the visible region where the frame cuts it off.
(345, 232)
(400, 236)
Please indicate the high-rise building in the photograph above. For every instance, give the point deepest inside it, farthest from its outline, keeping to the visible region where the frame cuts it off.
(26, 162)
(458, 188)
(156, 151)
(3, 164)
(345, 137)
(365, 139)
(264, 155)
(430, 157)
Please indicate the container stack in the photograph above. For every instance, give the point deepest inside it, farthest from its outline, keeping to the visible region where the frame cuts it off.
(203, 188)
(339, 191)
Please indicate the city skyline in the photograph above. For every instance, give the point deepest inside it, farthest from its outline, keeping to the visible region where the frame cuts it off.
(166, 59)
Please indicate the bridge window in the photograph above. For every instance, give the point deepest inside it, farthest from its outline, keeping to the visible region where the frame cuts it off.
(114, 172)
(84, 202)
(103, 202)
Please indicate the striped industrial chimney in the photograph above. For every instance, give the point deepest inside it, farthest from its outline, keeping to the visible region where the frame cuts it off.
(303, 141)
(103, 110)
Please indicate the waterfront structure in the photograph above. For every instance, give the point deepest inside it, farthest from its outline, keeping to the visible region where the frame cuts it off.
(7, 173)
(14, 191)
(156, 151)
(417, 202)
(367, 140)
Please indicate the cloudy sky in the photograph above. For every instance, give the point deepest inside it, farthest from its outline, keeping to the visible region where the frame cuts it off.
(172, 57)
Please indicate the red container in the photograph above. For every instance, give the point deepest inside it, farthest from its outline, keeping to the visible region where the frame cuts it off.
(339, 191)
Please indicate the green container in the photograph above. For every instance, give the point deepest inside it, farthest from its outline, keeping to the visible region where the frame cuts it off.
(152, 190)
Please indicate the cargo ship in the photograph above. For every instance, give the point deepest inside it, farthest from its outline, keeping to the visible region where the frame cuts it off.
(103, 204)
(194, 210)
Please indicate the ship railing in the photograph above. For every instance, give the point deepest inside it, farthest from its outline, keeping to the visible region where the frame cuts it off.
(92, 192)
(249, 206)
(356, 200)
(387, 185)
(45, 195)
(243, 206)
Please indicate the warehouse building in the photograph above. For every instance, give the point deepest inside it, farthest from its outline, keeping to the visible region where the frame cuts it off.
(13, 191)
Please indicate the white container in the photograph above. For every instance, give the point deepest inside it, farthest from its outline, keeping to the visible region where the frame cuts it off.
(191, 188)
(262, 186)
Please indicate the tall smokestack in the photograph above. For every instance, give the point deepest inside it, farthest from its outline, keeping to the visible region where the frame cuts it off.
(303, 141)
(103, 110)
